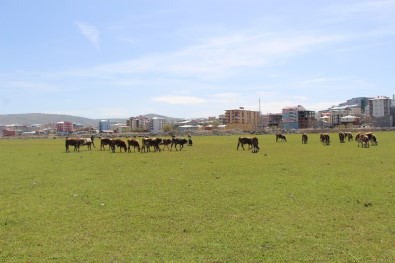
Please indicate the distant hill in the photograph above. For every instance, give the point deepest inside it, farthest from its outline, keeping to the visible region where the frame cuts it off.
(43, 118)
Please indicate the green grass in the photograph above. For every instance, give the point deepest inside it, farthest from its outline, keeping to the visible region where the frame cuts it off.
(207, 203)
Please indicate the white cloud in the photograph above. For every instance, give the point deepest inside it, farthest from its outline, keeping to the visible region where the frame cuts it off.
(89, 32)
(27, 86)
(179, 100)
(216, 59)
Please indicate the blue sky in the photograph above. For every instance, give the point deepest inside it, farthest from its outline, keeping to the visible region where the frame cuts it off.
(110, 59)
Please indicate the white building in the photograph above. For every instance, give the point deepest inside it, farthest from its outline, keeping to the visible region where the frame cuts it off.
(380, 111)
(157, 124)
(105, 125)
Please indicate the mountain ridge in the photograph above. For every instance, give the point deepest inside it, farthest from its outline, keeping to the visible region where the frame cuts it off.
(46, 118)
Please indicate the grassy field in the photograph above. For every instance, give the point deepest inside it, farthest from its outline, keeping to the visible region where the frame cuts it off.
(207, 203)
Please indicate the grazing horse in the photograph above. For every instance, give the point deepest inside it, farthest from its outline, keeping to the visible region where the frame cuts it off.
(304, 138)
(134, 143)
(281, 137)
(178, 141)
(105, 141)
(342, 136)
(118, 143)
(244, 140)
(255, 146)
(73, 142)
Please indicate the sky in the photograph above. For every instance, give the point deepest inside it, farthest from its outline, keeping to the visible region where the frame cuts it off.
(192, 58)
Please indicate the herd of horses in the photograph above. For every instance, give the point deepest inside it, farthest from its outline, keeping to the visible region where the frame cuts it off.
(364, 140)
(146, 144)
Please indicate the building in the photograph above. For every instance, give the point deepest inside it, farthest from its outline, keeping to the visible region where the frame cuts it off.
(156, 124)
(105, 125)
(64, 127)
(361, 103)
(306, 119)
(297, 117)
(242, 119)
(139, 123)
(380, 111)
(271, 119)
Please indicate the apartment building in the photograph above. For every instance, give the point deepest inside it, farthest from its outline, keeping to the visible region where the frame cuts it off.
(380, 111)
(64, 127)
(156, 124)
(297, 117)
(246, 120)
(139, 123)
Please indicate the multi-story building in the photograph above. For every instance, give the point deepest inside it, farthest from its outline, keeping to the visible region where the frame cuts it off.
(64, 127)
(306, 119)
(156, 124)
(380, 111)
(105, 125)
(360, 102)
(297, 117)
(245, 120)
(139, 123)
(271, 119)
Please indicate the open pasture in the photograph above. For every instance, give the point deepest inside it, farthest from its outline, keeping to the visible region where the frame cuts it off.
(290, 202)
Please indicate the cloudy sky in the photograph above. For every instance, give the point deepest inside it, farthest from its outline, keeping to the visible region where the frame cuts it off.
(192, 58)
